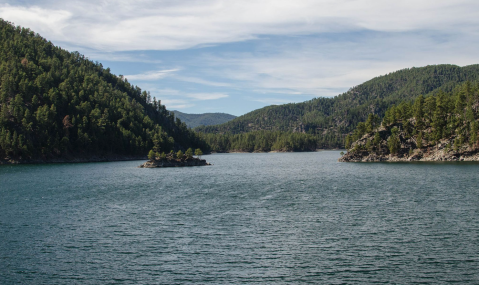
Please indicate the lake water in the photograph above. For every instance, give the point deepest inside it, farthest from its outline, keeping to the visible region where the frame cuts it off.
(250, 218)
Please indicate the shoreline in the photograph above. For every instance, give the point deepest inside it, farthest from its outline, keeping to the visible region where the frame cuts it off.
(440, 155)
(108, 158)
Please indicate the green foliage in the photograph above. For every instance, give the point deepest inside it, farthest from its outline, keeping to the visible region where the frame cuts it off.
(369, 145)
(439, 116)
(458, 143)
(179, 154)
(55, 103)
(189, 153)
(151, 155)
(348, 141)
(206, 119)
(419, 140)
(198, 152)
(393, 141)
(377, 139)
(264, 141)
(340, 115)
(162, 156)
(473, 137)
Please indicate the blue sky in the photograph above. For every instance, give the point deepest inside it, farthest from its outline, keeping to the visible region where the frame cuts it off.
(237, 56)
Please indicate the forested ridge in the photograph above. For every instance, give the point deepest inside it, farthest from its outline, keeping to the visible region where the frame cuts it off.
(330, 119)
(55, 103)
(443, 124)
(205, 119)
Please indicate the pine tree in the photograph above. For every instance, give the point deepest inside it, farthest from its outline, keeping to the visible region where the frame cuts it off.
(179, 154)
(419, 140)
(151, 155)
(393, 141)
(189, 153)
(198, 153)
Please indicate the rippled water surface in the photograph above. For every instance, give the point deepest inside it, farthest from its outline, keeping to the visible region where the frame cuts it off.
(249, 218)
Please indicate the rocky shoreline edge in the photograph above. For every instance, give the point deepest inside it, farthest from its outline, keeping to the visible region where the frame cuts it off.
(419, 156)
(439, 152)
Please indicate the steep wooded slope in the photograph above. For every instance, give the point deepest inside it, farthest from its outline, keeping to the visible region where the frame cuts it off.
(55, 103)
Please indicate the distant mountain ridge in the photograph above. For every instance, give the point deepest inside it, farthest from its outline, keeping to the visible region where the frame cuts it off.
(339, 115)
(206, 119)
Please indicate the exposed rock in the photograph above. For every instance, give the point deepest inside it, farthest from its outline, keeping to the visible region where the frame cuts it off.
(171, 162)
(443, 150)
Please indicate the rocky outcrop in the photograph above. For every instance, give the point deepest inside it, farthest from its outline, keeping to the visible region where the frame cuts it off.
(417, 155)
(170, 162)
(443, 150)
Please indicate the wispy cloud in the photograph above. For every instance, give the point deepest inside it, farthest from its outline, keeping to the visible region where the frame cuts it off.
(167, 25)
(173, 104)
(191, 55)
(51, 22)
(206, 96)
(117, 56)
(201, 81)
(152, 75)
(328, 67)
(177, 99)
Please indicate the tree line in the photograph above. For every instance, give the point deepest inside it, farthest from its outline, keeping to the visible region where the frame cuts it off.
(265, 141)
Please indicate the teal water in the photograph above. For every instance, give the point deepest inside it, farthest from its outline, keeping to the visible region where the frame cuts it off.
(250, 218)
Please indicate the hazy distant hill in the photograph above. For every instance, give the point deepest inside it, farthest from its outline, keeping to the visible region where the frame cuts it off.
(340, 115)
(206, 119)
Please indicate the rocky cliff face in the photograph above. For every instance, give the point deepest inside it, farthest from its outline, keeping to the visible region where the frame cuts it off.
(366, 150)
(174, 163)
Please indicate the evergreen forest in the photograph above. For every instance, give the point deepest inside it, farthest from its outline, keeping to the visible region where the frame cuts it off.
(447, 118)
(205, 119)
(59, 104)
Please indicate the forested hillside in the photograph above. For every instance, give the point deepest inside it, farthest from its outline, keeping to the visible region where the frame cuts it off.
(206, 119)
(339, 115)
(326, 121)
(55, 103)
(443, 126)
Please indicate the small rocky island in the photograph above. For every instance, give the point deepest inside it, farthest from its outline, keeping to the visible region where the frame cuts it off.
(174, 159)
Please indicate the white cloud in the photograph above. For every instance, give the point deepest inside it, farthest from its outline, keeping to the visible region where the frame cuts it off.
(166, 25)
(117, 56)
(177, 99)
(49, 22)
(201, 81)
(207, 96)
(151, 75)
(328, 67)
(172, 104)
(324, 47)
